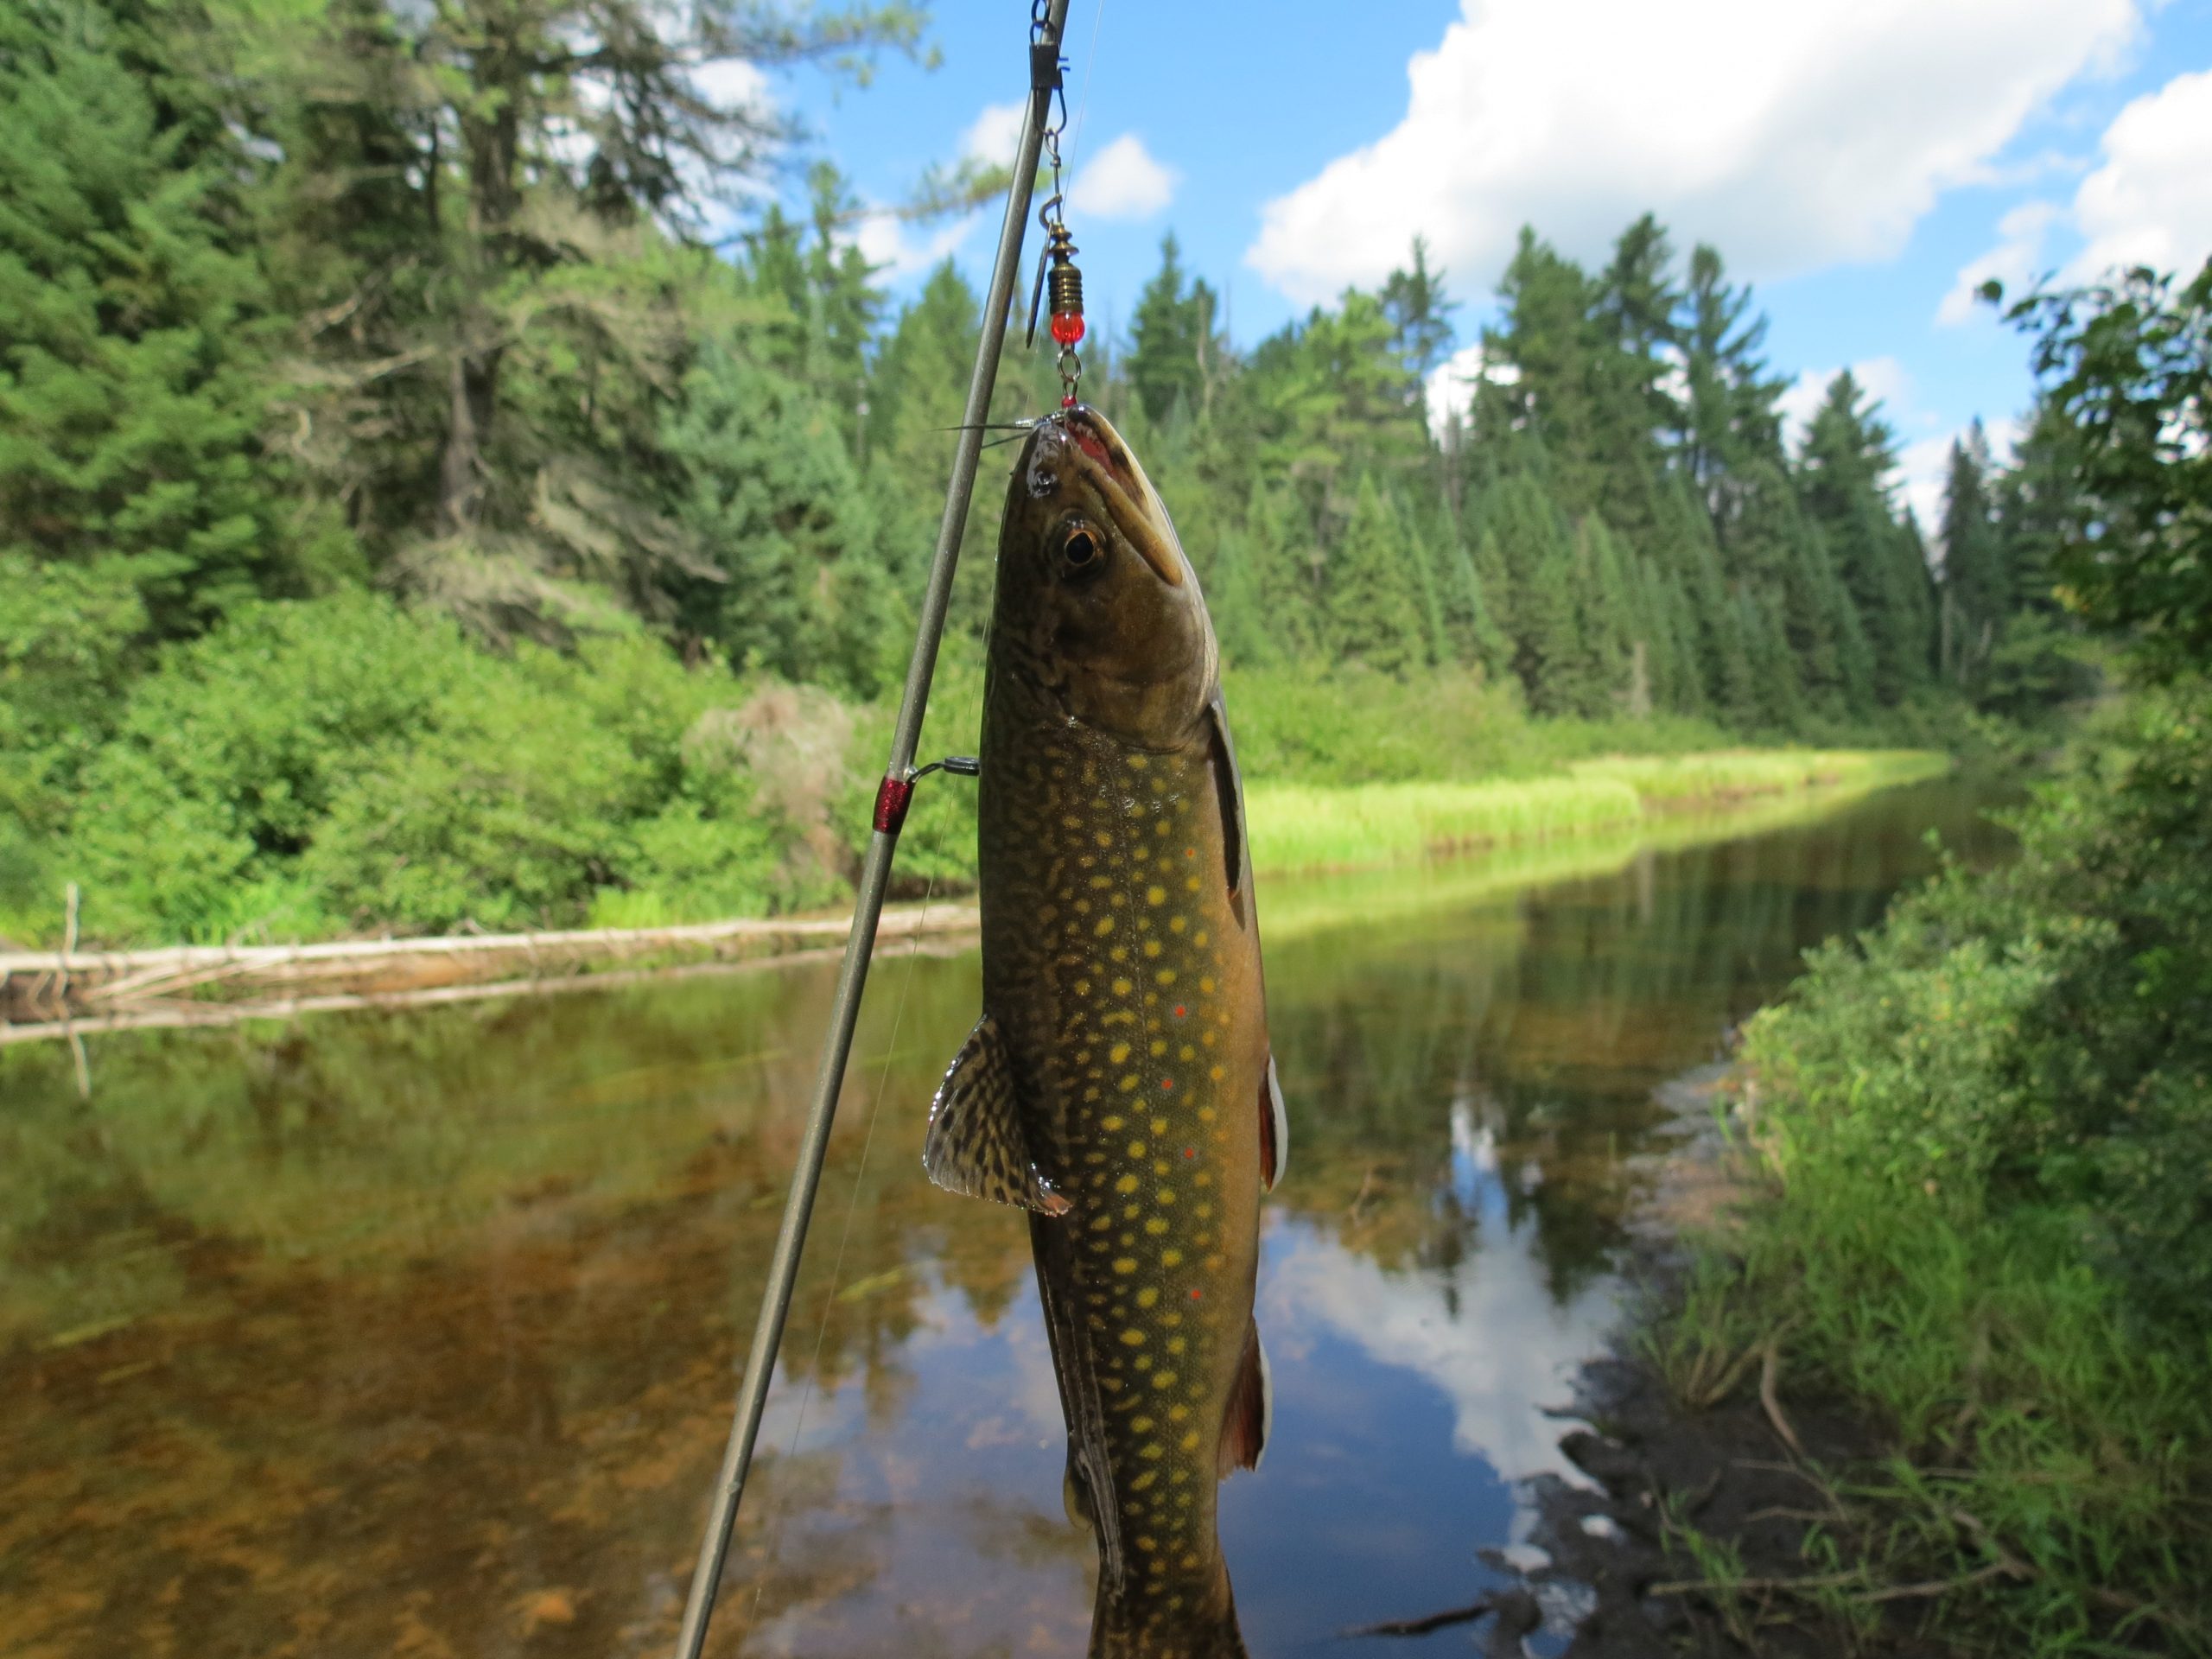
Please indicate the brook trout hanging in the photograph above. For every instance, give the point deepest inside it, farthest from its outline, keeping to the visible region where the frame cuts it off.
(1119, 1085)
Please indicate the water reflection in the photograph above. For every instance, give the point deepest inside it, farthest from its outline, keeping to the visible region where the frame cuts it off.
(417, 1333)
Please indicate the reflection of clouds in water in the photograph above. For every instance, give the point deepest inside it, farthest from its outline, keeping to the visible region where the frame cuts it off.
(1507, 1350)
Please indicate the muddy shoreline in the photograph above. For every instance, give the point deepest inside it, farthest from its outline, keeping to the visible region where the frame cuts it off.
(1623, 1568)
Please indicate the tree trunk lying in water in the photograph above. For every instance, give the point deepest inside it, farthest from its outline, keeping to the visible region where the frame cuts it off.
(43, 986)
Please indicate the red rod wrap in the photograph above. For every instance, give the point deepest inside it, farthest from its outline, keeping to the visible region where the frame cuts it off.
(891, 796)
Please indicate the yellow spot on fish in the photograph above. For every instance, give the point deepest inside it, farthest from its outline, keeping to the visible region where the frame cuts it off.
(1159, 1126)
(1206, 1114)
(1147, 1297)
(1129, 1082)
(1125, 1264)
(1155, 895)
(1152, 947)
(1111, 1123)
(1153, 1450)
(1103, 839)
(1139, 1425)
(1190, 1440)
(1133, 1337)
(1177, 1345)
(1155, 1226)
(1205, 985)
(1136, 1148)
(1127, 1184)
(1217, 1073)
(1120, 953)
(1163, 1379)
(1144, 1480)
(1177, 1413)
(1118, 1054)
(1122, 987)
(1176, 924)
(1188, 1052)
(1192, 882)
(1167, 1258)
(1199, 937)
(1166, 976)
(1167, 1195)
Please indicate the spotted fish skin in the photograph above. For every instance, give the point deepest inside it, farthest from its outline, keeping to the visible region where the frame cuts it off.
(1123, 993)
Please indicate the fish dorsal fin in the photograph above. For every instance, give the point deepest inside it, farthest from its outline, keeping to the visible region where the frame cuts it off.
(1251, 1411)
(1229, 798)
(976, 1144)
(1274, 1129)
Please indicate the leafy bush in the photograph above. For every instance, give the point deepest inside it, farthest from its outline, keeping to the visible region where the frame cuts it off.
(2041, 1035)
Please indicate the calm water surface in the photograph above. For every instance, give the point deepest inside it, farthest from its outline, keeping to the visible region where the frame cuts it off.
(416, 1333)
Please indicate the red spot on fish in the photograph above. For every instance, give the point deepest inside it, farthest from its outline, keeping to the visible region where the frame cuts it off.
(1168, 1083)
(1190, 1152)
(1196, 1294)
(1180, 1010)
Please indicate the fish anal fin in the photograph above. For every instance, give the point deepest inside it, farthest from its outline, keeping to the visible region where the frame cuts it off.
(1274, 1129)
(975, 1145)
(1251, 1410)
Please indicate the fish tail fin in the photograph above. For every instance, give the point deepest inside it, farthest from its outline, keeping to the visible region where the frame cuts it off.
(1160, 1623)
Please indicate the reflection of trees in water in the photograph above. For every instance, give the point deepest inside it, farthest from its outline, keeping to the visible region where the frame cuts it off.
(419, 1331)
(1548, 1020)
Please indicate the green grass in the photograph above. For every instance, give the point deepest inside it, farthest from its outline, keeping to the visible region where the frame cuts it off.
(1310, 827)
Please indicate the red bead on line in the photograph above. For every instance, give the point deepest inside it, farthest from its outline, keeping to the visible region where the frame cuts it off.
(1067, 327)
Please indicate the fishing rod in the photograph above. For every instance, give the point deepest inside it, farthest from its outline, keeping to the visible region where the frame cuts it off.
(1047, 26)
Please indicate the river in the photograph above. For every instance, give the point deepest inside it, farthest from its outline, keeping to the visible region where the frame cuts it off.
(414, 1333)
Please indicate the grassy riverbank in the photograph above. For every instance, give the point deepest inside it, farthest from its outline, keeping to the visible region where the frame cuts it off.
(1303, 828)
(1983, 1133)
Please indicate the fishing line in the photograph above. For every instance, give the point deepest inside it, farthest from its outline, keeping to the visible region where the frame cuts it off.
(1089, 61)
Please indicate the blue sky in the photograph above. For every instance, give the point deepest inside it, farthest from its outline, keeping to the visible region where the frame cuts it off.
(1861, 162)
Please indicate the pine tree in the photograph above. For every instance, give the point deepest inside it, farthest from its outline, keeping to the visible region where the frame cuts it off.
(1176, 355)
(1976, 590)
(1374, 593)
(773, 491)
(136, 326)
(1843, 477)
(1603, 622)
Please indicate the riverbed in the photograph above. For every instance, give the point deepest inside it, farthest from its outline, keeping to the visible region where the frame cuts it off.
(414, 1332)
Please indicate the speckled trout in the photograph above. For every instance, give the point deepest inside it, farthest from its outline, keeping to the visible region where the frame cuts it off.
(1119, 1085)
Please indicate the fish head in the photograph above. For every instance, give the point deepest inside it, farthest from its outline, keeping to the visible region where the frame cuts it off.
(1098, 610)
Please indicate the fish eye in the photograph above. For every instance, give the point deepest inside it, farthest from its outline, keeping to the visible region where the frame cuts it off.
(1082, 552)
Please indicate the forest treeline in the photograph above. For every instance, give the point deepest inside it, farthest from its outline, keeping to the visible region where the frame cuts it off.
(419, 504)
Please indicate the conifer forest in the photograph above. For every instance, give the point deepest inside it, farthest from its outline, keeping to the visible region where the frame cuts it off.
(425, 501)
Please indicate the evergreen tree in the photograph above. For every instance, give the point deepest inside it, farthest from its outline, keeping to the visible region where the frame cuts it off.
(1419, 313)
(1843, 475)
(1176, 355)
(773, 490)
(1976, 591)
(1374, 594)
(135, 330)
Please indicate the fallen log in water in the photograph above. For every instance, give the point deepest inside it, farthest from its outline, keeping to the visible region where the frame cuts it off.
(92, 988)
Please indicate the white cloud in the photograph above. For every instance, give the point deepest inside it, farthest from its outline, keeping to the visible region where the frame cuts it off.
(995, 137)
(1122, 181)
(2149, 203)
(1792, 137)
(887, 241)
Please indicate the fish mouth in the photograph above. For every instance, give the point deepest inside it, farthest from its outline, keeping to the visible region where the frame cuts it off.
(1104, 461)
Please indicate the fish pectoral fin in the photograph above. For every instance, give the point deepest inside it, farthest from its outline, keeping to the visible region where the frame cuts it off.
(976, 1144)
(1274, 1129)
(1251, 1410)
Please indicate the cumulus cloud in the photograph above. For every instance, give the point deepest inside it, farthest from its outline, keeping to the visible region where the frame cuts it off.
(1792, 137)
(1122, 181)
(891, 245)
(2149, 202)
(995, 135)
